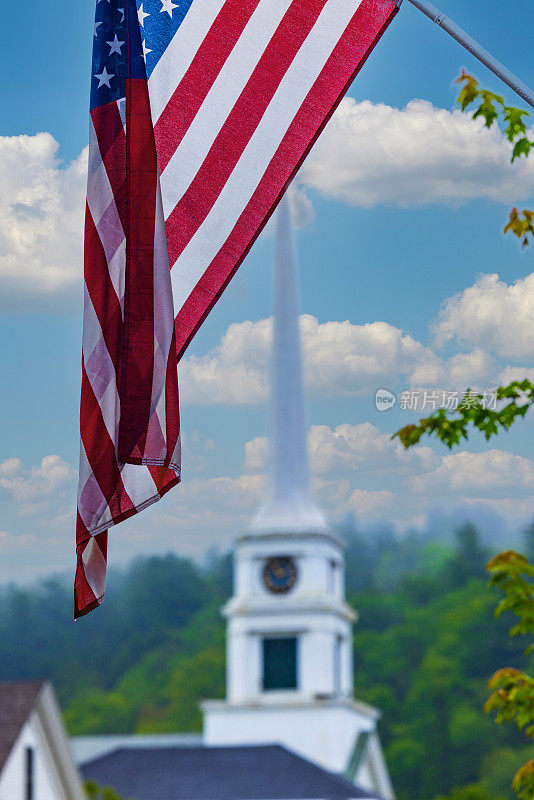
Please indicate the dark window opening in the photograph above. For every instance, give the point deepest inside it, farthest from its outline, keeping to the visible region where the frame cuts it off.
(280, 663)
(338, 644)
(29, 773)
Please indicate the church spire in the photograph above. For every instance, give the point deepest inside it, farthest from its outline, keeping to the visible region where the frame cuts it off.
(289, 504)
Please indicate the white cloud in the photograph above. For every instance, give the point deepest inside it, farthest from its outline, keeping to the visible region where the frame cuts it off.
(460, 371)
(369, 154)
(510, 374)
(491, 314)
(10, 467)
(347, 448)
(10, 542)
(341, 360)
(372, 153)
(41, 223)
(479, 472)
(366, 503)
(34, 487)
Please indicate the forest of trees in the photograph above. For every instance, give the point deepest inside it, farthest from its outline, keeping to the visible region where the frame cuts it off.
(425, 646)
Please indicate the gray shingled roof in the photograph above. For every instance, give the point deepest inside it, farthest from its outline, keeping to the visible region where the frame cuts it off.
(16, 703)
(217, 773)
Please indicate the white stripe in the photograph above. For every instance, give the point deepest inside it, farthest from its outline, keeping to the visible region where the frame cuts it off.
(156, 439)
(90, 516)
(103, 382)
(99, 192)
(139, 484)
(163, 304)
(230, 82)
(178, 56)
(102, 205)
(117, 272)
(94, 566)
(291, 93)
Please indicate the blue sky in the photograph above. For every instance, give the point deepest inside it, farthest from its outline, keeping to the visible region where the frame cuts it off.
(394, 229)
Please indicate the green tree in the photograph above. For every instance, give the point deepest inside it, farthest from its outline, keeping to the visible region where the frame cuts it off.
(470, 558)
(528, 539)
(512, 699)
(473, 791)
(96, 792)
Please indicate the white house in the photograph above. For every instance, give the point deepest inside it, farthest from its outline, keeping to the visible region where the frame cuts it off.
(35, 758)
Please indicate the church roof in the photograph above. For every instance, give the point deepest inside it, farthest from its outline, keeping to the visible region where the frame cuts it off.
(17, 699)
(217, 773)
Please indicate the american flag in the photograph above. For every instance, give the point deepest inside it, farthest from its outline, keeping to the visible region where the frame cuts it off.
(202, 112)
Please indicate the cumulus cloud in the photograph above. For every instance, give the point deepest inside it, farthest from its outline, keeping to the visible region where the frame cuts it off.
(346, 448)
(371, 153)
(10, 542)
(510, 374)
(367, 503)
(477, 472)
(234, 372)
(32, 488)
(41, 223)
(492, 314)
(459, 371)
(341, 359)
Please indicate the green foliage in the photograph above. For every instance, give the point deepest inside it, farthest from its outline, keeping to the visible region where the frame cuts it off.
(473, 412)
(96, 792)
(424, 646)
(498, 765)
(513, 575)
(521, 224)
(473, 791)
(492, 109)
(512, 698)
(523, 782)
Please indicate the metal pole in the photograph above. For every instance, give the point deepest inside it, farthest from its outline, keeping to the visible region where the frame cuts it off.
(473, 47)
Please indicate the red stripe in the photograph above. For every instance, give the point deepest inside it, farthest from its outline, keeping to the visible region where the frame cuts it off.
(108, 126)
(100, 451)
(200, 76)
(137, 366)
(347, 58)
(195, 205)
(102, 292)
(172, 414)
(84, 597)
(112, 145)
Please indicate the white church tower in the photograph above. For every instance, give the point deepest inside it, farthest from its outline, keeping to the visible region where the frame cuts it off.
(289, 636)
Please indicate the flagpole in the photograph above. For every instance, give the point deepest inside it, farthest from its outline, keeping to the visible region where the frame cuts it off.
(475, 49)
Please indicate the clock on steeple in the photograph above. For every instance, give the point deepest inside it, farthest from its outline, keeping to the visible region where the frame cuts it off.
(280, 574)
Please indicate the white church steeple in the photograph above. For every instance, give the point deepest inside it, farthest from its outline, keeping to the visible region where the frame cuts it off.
(289, 634)
(289, 503)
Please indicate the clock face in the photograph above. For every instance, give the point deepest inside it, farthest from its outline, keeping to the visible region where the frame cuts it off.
(280, 574)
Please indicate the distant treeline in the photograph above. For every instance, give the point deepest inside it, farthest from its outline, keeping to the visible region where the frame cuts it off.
(425, 645)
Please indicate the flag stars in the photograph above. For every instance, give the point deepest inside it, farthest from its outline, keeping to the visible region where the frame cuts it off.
(146, 50)
(115, 46)
(168, 6)
(104, 78)
(121, 11)
(97, 24)
(142, 15)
